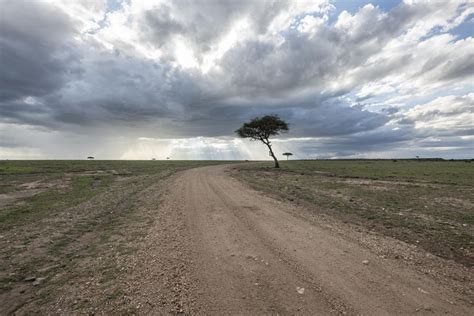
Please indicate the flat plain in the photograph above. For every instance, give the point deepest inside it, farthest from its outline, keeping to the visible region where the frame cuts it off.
(315, 237)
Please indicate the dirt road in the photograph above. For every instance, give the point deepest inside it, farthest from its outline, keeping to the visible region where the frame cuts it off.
(252, 254)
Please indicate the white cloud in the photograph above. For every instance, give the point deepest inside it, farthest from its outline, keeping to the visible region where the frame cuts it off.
(449, 113)
(86, 13)
(190, 69)
(310, 24)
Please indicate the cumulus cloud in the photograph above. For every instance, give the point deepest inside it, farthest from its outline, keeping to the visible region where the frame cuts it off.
(450, 114)
(349, 82)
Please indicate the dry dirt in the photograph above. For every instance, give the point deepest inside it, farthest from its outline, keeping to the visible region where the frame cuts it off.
(253, 256)
(218, 247)
(29, 189)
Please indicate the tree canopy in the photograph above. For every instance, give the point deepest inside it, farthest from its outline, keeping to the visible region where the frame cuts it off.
(262, 128)
(287, 155)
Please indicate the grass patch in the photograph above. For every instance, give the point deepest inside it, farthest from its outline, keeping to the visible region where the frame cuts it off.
(7, 188)
(135, 167)
(51, 201)
(442, 172)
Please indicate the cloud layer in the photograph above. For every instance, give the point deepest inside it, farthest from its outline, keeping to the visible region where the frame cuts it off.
(140, 79)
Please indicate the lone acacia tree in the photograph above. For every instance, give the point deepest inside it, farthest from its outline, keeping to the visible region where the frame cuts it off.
(287, 155)
(262, 128)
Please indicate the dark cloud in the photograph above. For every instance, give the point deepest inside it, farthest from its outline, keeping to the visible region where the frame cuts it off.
(36, 49)
(56, 76)
(459, 68)
(160, 26)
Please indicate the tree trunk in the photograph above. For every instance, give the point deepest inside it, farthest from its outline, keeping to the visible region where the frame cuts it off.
(277, 165)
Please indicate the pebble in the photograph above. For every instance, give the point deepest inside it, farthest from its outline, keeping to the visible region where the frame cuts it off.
(38, 281)
(422, 291)
(365, 261)
(300, 290)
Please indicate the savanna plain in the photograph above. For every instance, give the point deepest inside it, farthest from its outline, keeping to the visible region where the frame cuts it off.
(223, 237)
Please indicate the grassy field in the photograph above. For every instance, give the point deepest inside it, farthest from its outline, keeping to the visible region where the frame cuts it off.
(63, 183)
(427, 203)
(58, 217)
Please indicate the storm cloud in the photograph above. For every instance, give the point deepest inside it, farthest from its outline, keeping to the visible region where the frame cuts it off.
(141, 79)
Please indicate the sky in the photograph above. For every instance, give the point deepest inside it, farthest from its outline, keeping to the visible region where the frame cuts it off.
(142, 79)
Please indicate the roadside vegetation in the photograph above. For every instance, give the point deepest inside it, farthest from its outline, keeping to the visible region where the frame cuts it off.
(74, 226)
(426, 203)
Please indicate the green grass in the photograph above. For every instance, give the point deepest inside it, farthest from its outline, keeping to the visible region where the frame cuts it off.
(52, 201)
(81, 188)
(449, 172)
(7, 188)
(57, 167)
(11, 168)
(428, 203)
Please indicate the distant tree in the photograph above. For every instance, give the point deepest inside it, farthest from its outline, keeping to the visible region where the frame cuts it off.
(287, 155)
(90, 158)
(262, 128)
